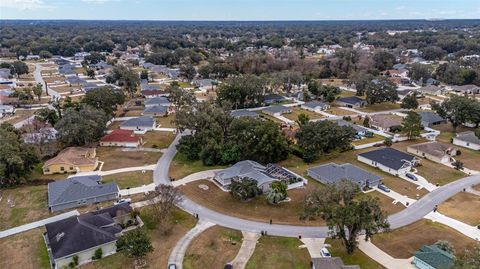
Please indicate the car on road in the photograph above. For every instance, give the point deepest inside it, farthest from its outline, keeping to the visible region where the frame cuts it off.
(383, 188)
(123, 201)
(325, 253)
(228, 266)
(172, 266)
(411, 176)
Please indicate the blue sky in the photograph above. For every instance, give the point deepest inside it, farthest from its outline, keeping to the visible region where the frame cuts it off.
(238, 9)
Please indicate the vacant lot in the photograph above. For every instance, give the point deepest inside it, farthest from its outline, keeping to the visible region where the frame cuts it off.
(375, 138)
(279, 253)
(181, 167)
(356, 258)
(204, 250)
(115, 125)
(404, 242)
(162, 246)
(20, 114)
(297, 111)
(115, 158)
(25, 250)
(460, 207)
(54, 79)
(340, 112)
(157, 139)
(256, 209)
(28, 203)
(130, 179)
(166, 122)
(380, 107)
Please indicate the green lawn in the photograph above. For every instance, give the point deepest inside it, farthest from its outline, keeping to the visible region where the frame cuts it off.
(297, 111)
(380, 107)
(184, 84)
(375, 138)
(42, 255)
(279, 253)
(158, 139)
(356, 258)
(166, 122)
(181, 167)
(130, 179)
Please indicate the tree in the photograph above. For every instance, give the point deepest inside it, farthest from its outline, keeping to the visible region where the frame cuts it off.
(410, 102)
(104, 99)
(388, 142)
(19, 68)
(383, 60)
(124, 77)
(458, 165)
(17, 159)
(163, 200)
(188, 71)
(243, 91)
(302, 119)
(360, 80)
(381, 90)
(180, 97)
(458, 110)
(470, 259)
(412, 125)
(38, 90)
(366, 122)
(144, 74)
(420, 72)
(91, 72)
(445, 246)
(315, 138)
(277, 193)
(45, 54)
(244, 189)
(81, 127)
(346, 213)
(48, 115)
(135, 244)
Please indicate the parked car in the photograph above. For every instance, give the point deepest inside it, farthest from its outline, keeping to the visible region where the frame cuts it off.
(172, 266)
(325, 253)
(411, 176)
(123, 201)
(228, 266)
(383, 188)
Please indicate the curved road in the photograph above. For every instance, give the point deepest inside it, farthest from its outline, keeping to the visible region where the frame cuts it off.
(37, 74)
(414, 212)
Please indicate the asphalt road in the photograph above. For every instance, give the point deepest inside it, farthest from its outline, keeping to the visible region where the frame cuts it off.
(37, 74)
(405, 217)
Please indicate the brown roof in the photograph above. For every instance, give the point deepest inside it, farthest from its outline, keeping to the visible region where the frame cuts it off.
(385, 120)
(434, 148)
(74, 156)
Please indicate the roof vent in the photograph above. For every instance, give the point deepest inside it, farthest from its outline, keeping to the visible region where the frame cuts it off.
(59, 236)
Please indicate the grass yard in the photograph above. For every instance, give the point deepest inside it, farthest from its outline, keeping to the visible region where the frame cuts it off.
(404, 242)
(386, 203)
(268, 117)
(279, 253)
(20, 114)
(162, 245)
(157, 139)
(115, 158)
(356, 258)
(166, 122)
(181, 167)
(256, 209)
(130, 179)
(347, 94)
(204, 250)
(25, 250)
(297, 111)
(477, 187)
(459, 207)
(132, 113)
(115, 125)
(184, 84)
(380, 107)
(54, 79)
(375, 138)
(340, 112)
(29, 204)
(65, 89)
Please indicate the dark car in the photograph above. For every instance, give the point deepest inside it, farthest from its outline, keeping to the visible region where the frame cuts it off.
(411, 176)
(228, 266)
(172, 266)
(383, 188)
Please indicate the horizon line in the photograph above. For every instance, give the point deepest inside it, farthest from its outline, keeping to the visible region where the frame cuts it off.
(253, 20)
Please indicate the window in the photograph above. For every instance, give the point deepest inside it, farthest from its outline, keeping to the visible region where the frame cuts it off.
(46, 170)
(62, 168)
(71, 168)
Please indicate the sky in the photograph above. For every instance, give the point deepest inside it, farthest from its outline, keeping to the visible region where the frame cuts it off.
(240, 10)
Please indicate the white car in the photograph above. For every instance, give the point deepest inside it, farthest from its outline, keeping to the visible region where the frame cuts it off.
(123, 201)
(325, 253)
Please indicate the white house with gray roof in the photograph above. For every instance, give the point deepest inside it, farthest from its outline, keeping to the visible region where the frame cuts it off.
(333, 173)
(389, 160)
(243, 113)
(139, 124)
(468, 140)
(157, 101)
(79, 191)
(430, 119)
(276, 110)
(315, 106)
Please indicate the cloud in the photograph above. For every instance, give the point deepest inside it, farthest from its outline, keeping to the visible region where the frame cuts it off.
(25, 4)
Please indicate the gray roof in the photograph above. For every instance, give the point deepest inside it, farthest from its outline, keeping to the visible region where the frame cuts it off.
(276, 109)
(468, 136)
(138, 122)
(78, 188)
(150, 87)
(356, 127)
(313, 104)
(351, 100)
(246, 169)
(79, 233)
(75, 80)
(331, 263)
(157, 101)
(155, 110)
(243, 113)
(430, 117)
(333, 173)
(389, 157)
(431, 89)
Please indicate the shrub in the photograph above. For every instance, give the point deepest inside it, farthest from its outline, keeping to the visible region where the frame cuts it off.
(98, 254)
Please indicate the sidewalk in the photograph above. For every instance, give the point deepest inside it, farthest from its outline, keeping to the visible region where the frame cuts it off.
(246, 250)
(382, 257)
(136, 190)
(468, 230)
(36, 224)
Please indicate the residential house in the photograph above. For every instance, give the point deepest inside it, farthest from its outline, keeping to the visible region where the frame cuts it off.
(432, 257)
(157, 101)
(204, 84)
(467, 139)
(6, 110)
(79, 191)
(333, 173)
(430, 119)
(315, 106)
(154, 93)
(103, 67)
(385, 121)
(67, 69)
(433, 151)
(389, 160)
(75, 81)
(243, 113)
(395, 73)
(430, 89)
(273, 98)
(72, 160)
(264, 175)
(121, 138)
(80, 56)
(5, 73)
(155, 111)
(277, 110)
(331, 263)
(139, 124)
(351, 102)
(466, 89)
(33, 57)
(361, 131)
(80, 236)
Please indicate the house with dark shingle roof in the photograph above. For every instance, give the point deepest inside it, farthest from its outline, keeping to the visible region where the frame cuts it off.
(243, 113)
(389, 160)
(351, 101)
(157, 101)
(155, 111)
(467, 139)
(315, 106)
(82, 235)
(276, 110)
(430, 119)
(78, 191)
(432, 257)
(333, 173)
